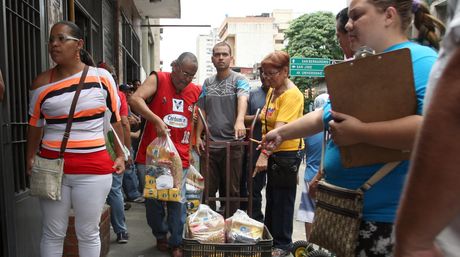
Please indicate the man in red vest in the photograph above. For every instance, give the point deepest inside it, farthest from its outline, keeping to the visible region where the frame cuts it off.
(166, 101)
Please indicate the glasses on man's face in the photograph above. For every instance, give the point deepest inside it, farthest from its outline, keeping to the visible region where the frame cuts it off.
(270, 74)
(61, 38)
(186, 74)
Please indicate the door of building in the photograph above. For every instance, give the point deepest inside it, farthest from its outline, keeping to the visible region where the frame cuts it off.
(21, 59)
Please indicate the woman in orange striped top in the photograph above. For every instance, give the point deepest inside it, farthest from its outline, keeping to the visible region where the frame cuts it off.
(87, 165)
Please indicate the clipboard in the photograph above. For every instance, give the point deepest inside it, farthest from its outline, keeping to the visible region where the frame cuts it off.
(373, 88)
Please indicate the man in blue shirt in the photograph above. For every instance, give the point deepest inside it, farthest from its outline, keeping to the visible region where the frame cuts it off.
(256, 101)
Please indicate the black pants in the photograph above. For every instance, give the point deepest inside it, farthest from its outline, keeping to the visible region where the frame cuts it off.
(279, 211)
(216, 172)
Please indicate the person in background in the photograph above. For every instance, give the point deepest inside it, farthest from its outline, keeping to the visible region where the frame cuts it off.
(380, 25)
(256, 101)
(342, 34)
(223, 102)
(87, 165)
(136, 84)
(169, 94)
(313, 145)
(130, 178)
(284, 104)
(115, 198)
(434, 230)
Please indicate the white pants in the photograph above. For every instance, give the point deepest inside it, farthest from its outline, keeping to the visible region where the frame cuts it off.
(86, 194)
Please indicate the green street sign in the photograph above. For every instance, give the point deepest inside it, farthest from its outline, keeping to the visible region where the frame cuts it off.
(308, 67)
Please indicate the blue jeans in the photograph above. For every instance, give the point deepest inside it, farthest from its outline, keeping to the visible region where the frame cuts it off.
(159, 222)
(115, 200)
(131, 183)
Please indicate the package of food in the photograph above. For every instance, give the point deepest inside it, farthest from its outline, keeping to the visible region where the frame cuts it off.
(163, 177)
(193, 196)
(206, 225)
(194, 186)
(194, 178)
(240, 228)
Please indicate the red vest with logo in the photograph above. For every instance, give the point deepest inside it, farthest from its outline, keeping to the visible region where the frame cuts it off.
(176, 110)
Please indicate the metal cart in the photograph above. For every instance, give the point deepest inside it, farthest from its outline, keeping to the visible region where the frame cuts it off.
(205, 167)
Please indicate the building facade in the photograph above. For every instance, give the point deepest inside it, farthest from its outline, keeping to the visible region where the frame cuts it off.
(204, 45)
(112, 33)
(251, 39)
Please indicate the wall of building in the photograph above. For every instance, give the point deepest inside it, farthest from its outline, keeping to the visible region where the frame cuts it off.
(204, 45)
(251, 39)
(282, 19)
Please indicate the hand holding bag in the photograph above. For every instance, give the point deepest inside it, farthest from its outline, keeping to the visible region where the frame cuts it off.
(339, 211)
(46, 178)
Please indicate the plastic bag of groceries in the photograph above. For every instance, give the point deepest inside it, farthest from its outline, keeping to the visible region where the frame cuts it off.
(194, 186)
(206, 225)
(163, 177)
(240, 228)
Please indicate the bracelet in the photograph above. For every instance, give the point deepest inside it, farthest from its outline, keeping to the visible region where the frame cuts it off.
(266, 153)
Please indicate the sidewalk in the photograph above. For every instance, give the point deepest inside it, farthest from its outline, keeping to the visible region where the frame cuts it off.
(142, 242)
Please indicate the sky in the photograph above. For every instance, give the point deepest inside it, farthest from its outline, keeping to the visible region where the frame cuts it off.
(176, 40)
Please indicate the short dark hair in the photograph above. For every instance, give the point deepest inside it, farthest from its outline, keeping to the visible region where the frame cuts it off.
(223, 43)
(342, 19)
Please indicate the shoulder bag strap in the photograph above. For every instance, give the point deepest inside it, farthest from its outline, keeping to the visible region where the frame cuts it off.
(72, 111)
(382, 172)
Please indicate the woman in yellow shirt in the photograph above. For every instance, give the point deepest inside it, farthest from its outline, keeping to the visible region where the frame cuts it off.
(284, 104)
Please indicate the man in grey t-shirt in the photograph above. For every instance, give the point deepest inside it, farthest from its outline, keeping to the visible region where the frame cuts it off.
(223, 101)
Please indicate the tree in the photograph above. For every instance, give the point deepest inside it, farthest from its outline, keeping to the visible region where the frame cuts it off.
(312, 35)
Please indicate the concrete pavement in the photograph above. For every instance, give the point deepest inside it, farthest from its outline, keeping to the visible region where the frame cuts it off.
(142, 242)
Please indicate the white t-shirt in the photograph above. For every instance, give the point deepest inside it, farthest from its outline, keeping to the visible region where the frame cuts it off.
(449, 43)
(449, 239)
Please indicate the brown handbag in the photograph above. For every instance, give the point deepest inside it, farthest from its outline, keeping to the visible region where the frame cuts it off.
(339, 211)
(46, 178)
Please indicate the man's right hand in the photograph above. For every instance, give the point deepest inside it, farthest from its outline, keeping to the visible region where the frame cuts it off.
(199, 146)
(162, 128)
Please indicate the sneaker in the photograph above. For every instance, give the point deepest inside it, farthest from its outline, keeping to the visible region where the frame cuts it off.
(162, 245)
(122, 237)
(139, 199)
(127, 206)
(277, 252)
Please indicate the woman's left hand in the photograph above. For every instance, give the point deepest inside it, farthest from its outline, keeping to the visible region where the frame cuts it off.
(345, 129)
(119, 165)
(261, 164)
